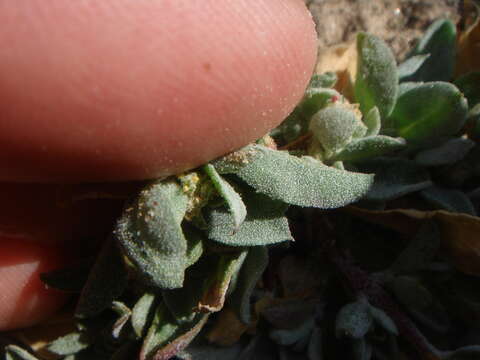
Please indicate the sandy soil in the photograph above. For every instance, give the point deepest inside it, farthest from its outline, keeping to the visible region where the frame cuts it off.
(398, 22)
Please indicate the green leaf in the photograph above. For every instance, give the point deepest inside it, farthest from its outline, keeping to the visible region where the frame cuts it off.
(373, 121)
(325, 80)
(227, 192)
(369, 147)
(151, 236)
(409, 67)
(250, 273)
(265, 223)
(106, 282)
(468, 85)
(165, 337)
(142, 312)
(420, 251)
(429, 111)
(383, 320)
(439, 42)
(13, 352)
(394, 177)
(316, 99)
(334, 126)
(449, 199)
(216, 289)
(299, 181)
(447, 153)
(376, 83)
(69, 344)
(354, 320)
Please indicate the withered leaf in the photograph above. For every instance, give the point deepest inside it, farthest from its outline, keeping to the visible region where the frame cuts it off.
(459, 232)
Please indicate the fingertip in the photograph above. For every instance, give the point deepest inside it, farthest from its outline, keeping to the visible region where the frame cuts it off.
(122, 90)
(24, 299)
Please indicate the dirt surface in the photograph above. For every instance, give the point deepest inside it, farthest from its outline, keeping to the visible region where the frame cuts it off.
(399, 22)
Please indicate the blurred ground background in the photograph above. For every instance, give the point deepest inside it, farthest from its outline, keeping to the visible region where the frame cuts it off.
(398, 22)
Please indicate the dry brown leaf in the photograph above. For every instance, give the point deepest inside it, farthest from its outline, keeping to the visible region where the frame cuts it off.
(341, 59)
(227, 329)
(468, 44)
(460, 232)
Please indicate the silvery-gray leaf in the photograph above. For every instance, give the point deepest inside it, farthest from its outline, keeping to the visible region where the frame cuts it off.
(13, 352)
(106, 282)
(394, 177)
(369, 147)
(291, 336)
(383, 320)
(420, 251)
(265, 223)
(376, 83)
(142, 312)
(300, 181)
(151, 236)
(195, 240)
(334, 126)
(449, 152)
(354, 320)
(315, 347)
(227, 192)
(372, 121)
(449, 199)
(410, 66)
(250, 273)
(69, 344)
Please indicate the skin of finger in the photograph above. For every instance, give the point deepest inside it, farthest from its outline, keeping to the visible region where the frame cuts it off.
(24, 299)
(118, 90)
(45, 227)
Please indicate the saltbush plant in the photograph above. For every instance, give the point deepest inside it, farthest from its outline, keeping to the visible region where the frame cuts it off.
(248, 252)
